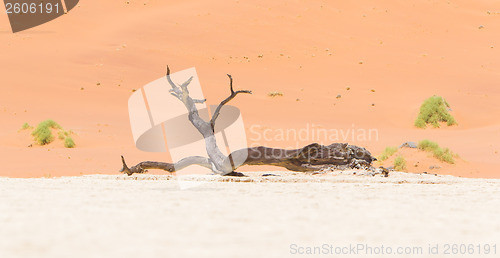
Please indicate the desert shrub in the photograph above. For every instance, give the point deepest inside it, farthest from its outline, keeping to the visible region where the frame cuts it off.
(400, 163)
(388, 151)
(275, 94)
(420, 123)
(433, 111)
(26, 126)
(61, 135)
(445, 155)
(69, 143)
(428, 145)
(43, 134)
(49, 123)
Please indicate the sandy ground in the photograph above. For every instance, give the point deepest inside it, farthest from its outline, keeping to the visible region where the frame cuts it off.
(150, 216)
(80, 70)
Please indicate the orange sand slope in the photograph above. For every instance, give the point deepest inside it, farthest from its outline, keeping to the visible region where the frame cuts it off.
(311, 51)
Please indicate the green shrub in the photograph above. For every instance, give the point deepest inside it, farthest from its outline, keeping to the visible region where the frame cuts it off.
(400, 163)
(26, 126)
(49, 123)
(451, 122)
(63, 134)
(420, 123)
(69, 143)
(427, 145)
(433, 111)
(43, 134)
(388, 151)
(442, 154)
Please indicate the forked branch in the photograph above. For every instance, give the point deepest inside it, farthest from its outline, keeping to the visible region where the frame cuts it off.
(233, 94)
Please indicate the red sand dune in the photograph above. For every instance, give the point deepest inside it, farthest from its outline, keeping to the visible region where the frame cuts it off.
(310, 50)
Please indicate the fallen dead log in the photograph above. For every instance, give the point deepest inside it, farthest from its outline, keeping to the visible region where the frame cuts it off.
(312, 157)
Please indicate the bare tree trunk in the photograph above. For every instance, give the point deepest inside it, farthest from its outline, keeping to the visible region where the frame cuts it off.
(309, 158)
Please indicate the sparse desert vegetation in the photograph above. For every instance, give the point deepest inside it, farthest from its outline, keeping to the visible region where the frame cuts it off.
(400, 154)
(43, 133)
(400, 163)
(68, 142)
(275, 94)
(388, 151)
(433, 111)
(442, 154)
(26, 126)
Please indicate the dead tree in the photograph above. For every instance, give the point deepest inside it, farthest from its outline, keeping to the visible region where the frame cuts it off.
(309, 158)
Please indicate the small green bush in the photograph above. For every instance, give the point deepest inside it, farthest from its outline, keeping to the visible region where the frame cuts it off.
(69, 143)
(442, 154)
(388, 151)
(420, 123)
(26, 126)
(433, 111)
(427, 145)
(400, 163)
(43, 134)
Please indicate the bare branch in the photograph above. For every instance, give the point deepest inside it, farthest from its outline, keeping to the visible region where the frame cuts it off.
(233, 94)
(170, 167)
(172, 84)
(175, 94)
(230, 83)
(199, 101)
(186, 83)
(175, 88)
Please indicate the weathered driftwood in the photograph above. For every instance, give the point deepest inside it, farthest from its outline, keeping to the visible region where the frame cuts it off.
(309, 158)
